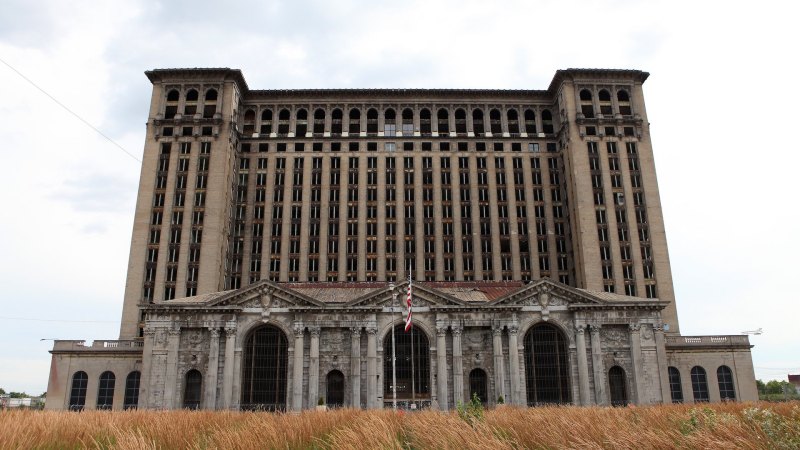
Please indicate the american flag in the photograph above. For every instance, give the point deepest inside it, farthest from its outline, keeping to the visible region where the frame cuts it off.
(408, 306)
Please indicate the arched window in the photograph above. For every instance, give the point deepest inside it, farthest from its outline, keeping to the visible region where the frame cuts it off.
(249, 122)
(699, 384)
(546, 365)
(389, 125)
(210, 105)
(301, 125)
(477, 122)
(264, 370)
(191, 95)
(132, 390)
(283, 122)
(319, 122)
(587, 107)
(172, 104)
(425, 122)
(192, 390)
(443, 118)
(408, 386)
(494, 121)
(334, 392)
(77, 395)
(513, 122)
(675, 388)
(478, 385)
(190, 108)
(624, 102)
(266, 122)
(605, 103)
(372, 122)
(725, 380)
(355, 122)
(408, 122)
(336, 122)
(461, 122)
(547, 122)
(617, 386)
(530, 122)
(105, 390)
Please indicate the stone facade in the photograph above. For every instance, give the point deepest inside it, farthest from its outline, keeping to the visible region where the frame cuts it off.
(530, 221)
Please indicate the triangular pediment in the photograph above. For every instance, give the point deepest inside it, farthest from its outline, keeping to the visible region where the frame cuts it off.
(422, 296)
(266, 294)
(547, 293)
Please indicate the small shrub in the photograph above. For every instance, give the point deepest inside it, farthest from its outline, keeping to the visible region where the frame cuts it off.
(500, 400)
(471, 412)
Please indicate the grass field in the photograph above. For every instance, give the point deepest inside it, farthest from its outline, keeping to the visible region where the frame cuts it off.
(729, 425)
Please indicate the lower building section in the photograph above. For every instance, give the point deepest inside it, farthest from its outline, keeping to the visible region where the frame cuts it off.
(290, 346)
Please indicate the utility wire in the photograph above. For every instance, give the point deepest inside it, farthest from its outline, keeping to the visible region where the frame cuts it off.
(58, 320)
(69, 110)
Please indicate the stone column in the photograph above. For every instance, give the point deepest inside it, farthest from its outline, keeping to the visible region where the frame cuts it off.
(663, 365)
(313, 367)
(170, 391)
(458, 368)
(355, 365)
(213, 369)
(583, 365)
(513, 355)
(147, 357)
(372, 368)
(227, 371)
(499, 373)
(297, 369)
(636, 359)
(597, 367)
(441, 366)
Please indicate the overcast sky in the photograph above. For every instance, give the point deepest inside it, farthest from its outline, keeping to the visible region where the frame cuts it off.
(721, 101)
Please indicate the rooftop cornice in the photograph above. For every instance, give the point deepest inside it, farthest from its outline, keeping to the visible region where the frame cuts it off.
(561, 75)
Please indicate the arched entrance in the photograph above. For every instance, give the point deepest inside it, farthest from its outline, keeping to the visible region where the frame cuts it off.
(477, 385)
(408, 387)
(192, 390)
(617, 386)
(334, 392)
(546, 365)
(264, 370)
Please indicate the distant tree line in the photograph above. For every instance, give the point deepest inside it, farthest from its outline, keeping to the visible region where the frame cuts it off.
(775, 390)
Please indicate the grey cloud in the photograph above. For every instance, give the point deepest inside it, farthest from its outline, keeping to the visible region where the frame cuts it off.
(96, 193)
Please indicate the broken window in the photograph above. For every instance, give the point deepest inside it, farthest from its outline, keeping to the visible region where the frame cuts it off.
(624, 102)
(461, 122)
(425, 122)
(494, 122)
(443, 118)
(301, 125)
(355, 121)
(283, 122)
(530, 122)
(477, 122)
(513, 122)
(372, 122)
(210, 106)
(547, 121)
(587, 108)
(266, 122)
(605, 103)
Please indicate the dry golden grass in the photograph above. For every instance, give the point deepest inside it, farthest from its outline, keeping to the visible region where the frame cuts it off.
(718, 426)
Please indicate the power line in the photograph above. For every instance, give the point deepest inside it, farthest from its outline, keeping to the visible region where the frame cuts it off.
(57, 320)
(69, 110)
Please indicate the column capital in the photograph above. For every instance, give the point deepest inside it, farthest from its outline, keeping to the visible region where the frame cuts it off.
(634, 327)
(314, 331)
(355, 331)
(149, 331)
(299, 330)
(658, 327)
(513, 328)
(497, 330)
(594, 327)
(456, 329)
(441, 330)
(174, 332)
(230, 331)
(372, 331)
(214, 332)
(580, 329)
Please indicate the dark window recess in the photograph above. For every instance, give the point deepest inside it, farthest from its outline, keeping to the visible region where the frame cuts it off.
(192, 390)
(617, 386)
(546, 366)
(408, 386)
(264, 371)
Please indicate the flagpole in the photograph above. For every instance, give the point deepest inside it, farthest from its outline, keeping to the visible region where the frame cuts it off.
(394, 355)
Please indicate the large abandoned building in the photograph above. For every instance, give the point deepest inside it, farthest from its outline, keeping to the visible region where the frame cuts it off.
(276, 232)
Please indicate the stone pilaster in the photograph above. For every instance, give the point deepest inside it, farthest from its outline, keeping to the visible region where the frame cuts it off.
(170, 394)
(227, 381)
(583, 365)
(663, 365)
(313, 367)
(458, 367)
(441, 366)
(297, 369)
(499, 372)
(372, 368)
(513, 355)
(636, 359)
(597, 367)
(147, 357)
(355, 365)
(213, 368)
